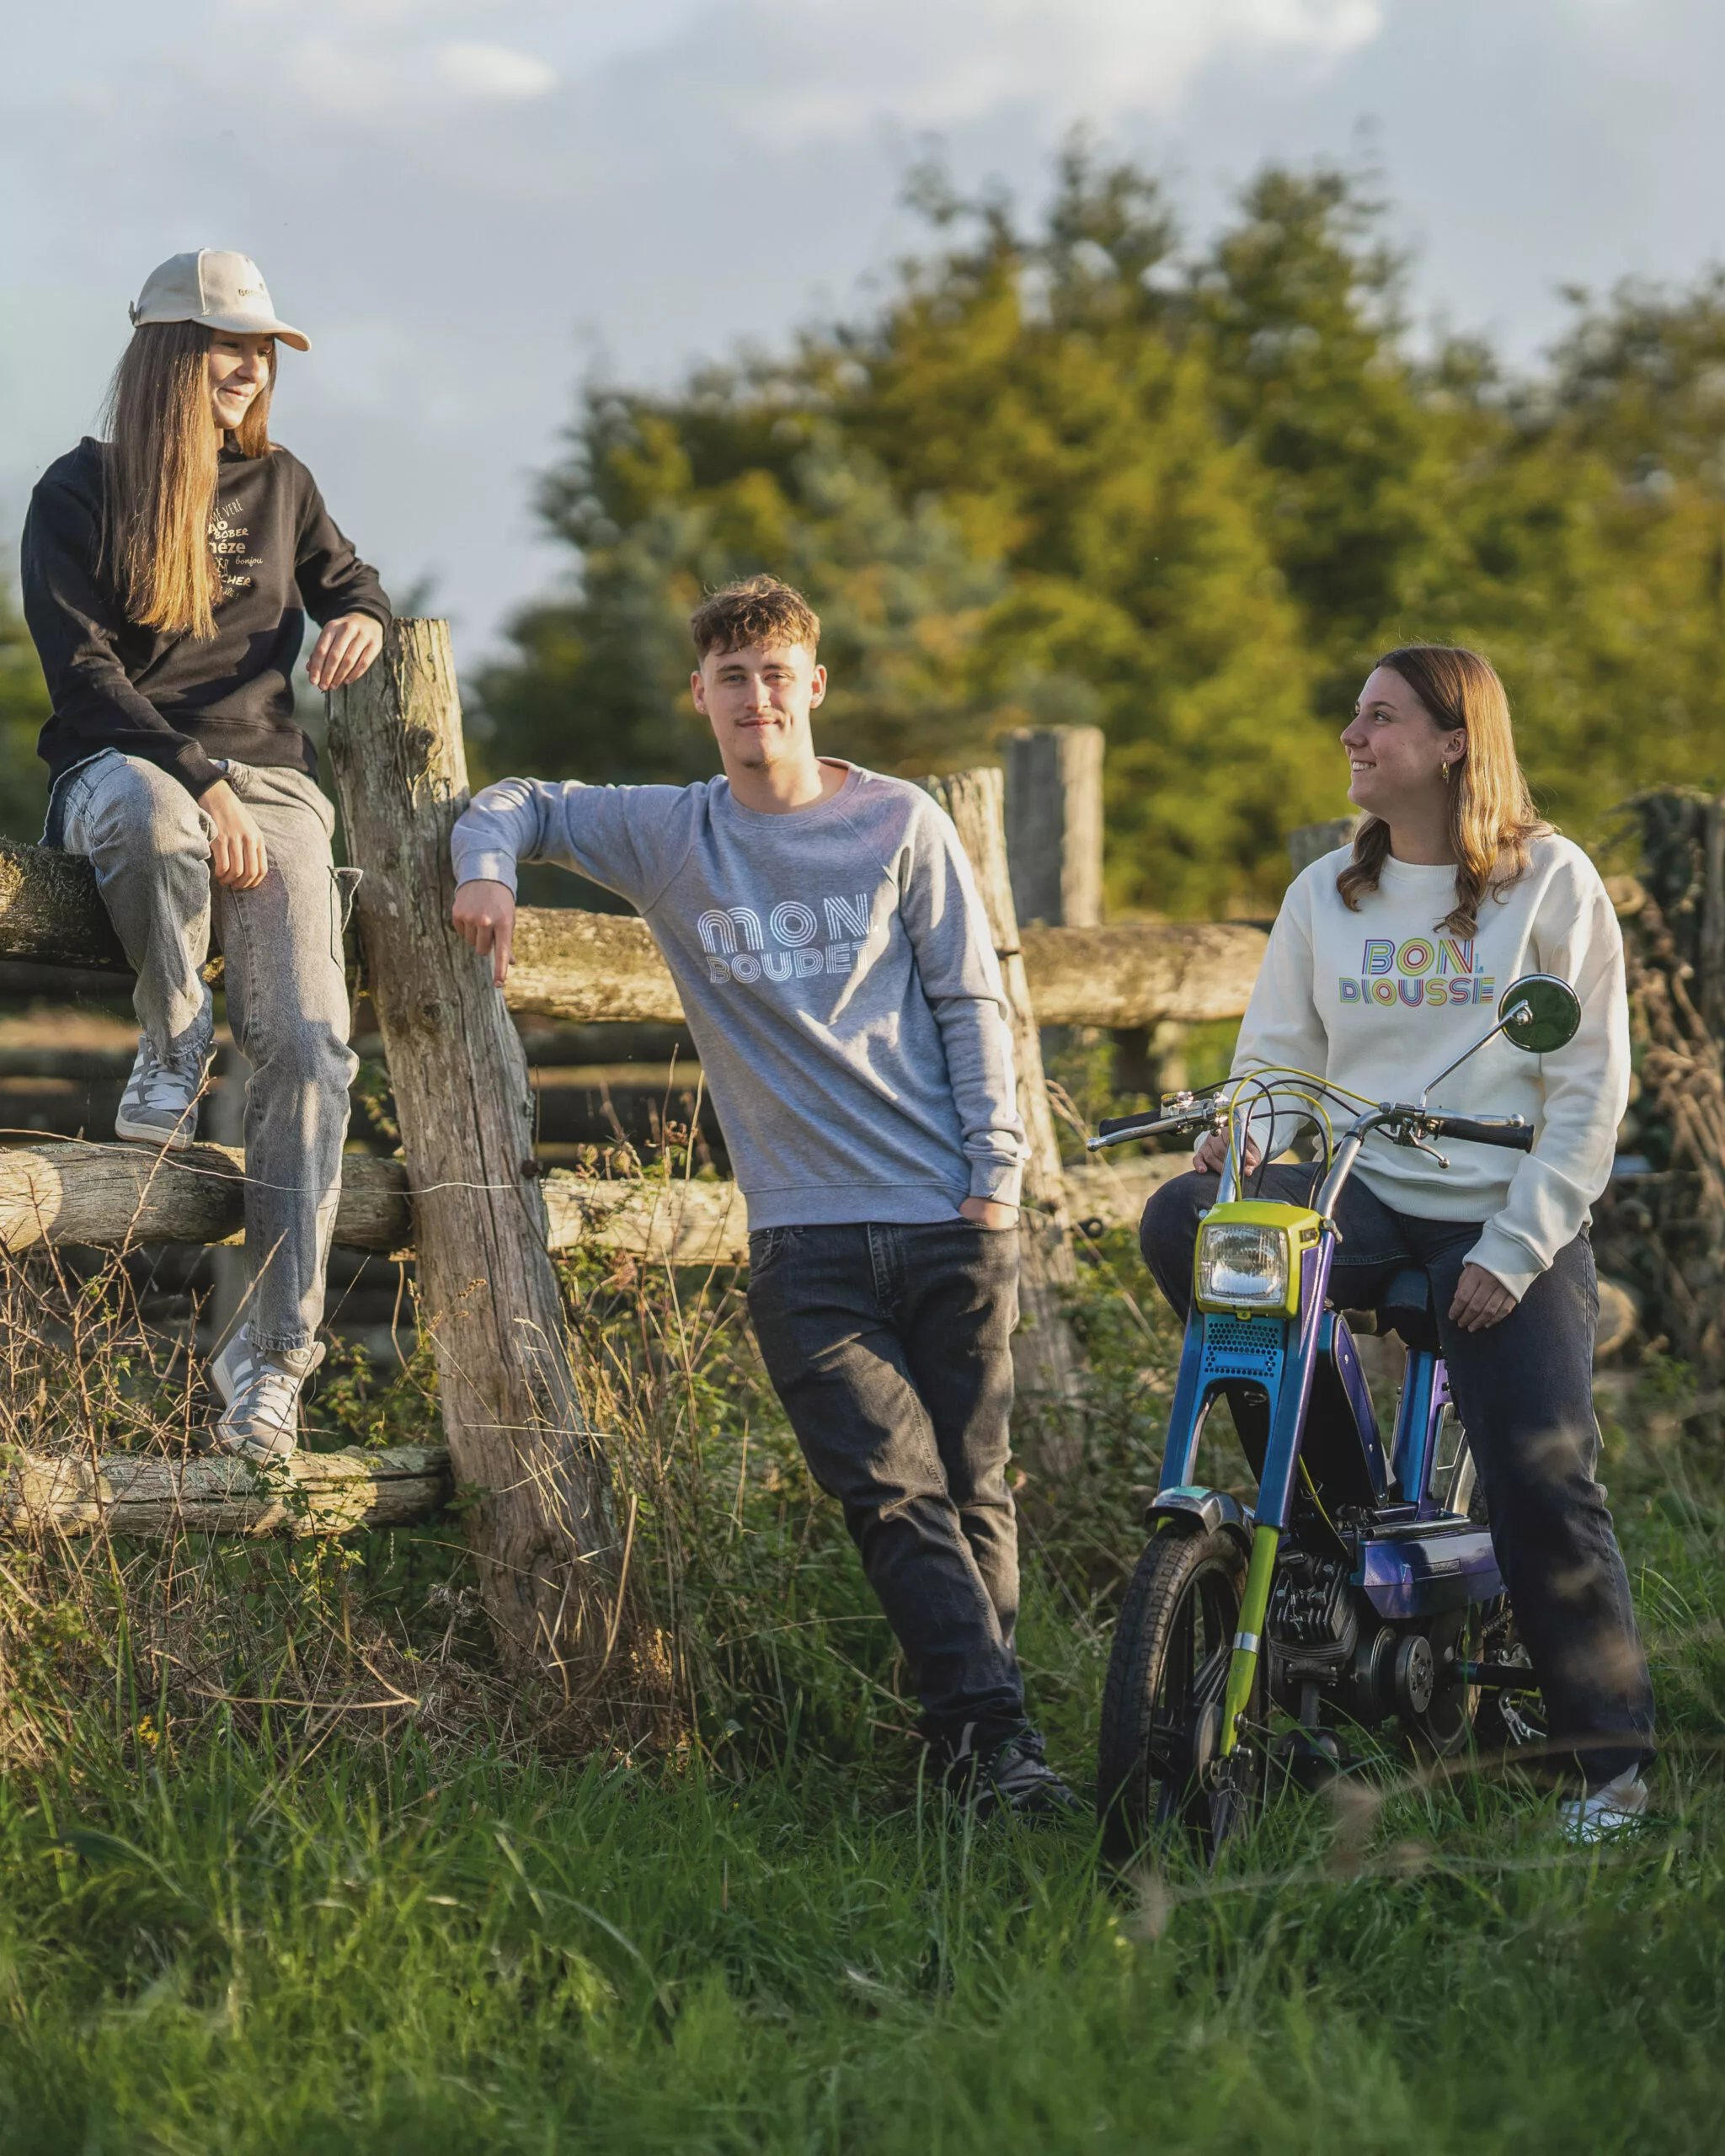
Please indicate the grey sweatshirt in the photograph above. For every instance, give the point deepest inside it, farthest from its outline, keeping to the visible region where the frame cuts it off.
(836, 970)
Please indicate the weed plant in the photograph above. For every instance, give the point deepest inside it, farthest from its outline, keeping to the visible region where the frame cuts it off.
(283, 1871)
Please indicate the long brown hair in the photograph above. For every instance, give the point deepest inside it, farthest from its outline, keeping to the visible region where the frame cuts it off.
(1492, 820)
(162, 477)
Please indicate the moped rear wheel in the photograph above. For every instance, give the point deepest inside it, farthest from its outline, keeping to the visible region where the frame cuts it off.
(1162, 1714)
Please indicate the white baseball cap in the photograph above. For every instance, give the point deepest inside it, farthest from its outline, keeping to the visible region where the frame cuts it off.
(219, 289)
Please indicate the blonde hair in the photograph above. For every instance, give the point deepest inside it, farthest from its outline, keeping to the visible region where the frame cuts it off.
(1493, 819)
(161, 474)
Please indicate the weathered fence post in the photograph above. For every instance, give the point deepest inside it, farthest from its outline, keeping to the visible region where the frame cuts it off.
(541, 1528)
(1710, 950)
(1055, 847)
(1054, 824)
(1312, 842)
(1047, 1357)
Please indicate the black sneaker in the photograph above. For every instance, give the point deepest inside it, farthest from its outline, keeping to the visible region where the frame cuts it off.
(1010, 1777)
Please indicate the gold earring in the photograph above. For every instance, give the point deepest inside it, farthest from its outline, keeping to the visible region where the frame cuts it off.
(1445, 769)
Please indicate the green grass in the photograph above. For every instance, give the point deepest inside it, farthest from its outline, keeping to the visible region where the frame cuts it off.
(314, 1924)
(389, 1956)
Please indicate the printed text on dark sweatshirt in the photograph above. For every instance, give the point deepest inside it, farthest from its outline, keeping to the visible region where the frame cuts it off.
(175, 700)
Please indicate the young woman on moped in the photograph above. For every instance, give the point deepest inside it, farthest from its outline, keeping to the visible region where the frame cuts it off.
(1381, 966)
(168, 574)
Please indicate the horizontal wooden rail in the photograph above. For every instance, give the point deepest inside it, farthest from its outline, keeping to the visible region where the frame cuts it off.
(313, 1493)
(1138, 973)
(116, 1197)
(50, 913)
(579, 967)
(110, 1196)
(593, 968)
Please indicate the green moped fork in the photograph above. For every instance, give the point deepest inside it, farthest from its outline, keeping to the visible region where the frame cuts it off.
(1254, 1605)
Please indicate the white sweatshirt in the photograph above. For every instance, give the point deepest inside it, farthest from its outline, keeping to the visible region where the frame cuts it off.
(1380, 1000)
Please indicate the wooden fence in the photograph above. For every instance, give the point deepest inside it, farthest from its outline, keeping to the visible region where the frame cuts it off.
(586, 968)
(550, 1551)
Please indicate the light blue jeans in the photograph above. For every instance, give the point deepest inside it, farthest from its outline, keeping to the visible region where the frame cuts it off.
(287, 1001)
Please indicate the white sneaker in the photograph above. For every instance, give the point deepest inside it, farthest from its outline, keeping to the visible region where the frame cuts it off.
(159, 1106)
(260, 1394)
(1613, 1808)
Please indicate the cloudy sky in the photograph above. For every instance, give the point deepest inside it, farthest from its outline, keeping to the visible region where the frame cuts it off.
(471, 203)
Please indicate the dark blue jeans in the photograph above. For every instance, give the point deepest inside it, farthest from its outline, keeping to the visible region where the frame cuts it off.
(1524, 1391)
(890, 1348)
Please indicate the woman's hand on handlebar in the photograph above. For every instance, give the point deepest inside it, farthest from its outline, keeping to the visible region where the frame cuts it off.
(1213, 1151)
(1481, 1301)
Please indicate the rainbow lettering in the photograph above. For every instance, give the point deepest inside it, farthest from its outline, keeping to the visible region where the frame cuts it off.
(1427, 972)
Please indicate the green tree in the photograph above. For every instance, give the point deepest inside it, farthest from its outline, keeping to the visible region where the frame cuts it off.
(1300, 304)
(602, 690)
(1582, 544)
(1009, 498)
(1049, 393)
(1067, 473)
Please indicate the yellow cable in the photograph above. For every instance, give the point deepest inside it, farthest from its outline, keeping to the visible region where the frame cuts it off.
(1312, 1078)
(1314, 1101)
(1312, 1492)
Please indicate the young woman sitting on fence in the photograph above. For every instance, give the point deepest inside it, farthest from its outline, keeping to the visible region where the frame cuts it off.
(1454, 881)
(166, 576)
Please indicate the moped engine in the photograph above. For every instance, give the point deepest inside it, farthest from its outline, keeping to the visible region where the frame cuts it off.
(1409, 1671)
(1321, 1632)
(1312, 1625)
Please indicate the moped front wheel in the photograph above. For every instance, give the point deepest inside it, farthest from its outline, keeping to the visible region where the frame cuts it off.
(1161, 1719)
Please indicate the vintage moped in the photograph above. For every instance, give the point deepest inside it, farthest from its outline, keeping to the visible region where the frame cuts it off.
(1361, 1584)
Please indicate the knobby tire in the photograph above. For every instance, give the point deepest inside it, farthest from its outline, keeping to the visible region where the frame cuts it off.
(1169, 1661)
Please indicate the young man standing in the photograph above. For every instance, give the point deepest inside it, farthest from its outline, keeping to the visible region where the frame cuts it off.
(831, 950)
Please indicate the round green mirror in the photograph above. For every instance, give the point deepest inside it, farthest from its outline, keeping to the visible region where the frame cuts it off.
(1539, 1013)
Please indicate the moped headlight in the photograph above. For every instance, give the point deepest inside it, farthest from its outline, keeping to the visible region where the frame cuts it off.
(1242, 1265)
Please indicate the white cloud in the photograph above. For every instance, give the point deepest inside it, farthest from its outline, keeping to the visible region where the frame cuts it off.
(793, 69)
(493, 70)
(397, 79)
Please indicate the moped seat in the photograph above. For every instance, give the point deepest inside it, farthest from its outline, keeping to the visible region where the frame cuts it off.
(1405, 1307)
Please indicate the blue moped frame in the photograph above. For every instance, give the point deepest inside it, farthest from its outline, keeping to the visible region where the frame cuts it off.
(1415, 1557)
